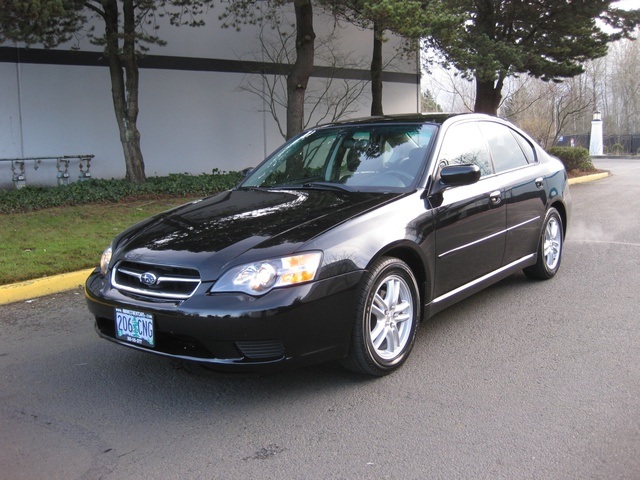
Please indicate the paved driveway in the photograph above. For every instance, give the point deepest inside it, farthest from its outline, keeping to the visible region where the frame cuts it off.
(524, 380)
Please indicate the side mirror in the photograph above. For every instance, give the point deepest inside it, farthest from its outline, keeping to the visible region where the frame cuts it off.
(453, 176)
(458, 175)
(247, 171)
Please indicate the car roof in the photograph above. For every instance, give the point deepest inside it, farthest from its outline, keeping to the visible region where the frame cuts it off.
(437, 118)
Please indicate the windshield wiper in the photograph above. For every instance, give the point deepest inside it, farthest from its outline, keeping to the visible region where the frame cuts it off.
(328, 186)
(307, 185)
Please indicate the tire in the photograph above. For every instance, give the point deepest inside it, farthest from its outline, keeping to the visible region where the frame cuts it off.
(387, 315)
(549, 249)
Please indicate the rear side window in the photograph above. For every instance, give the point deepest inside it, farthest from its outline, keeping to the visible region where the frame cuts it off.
(527, 148)
(506, 151)
(463, 144)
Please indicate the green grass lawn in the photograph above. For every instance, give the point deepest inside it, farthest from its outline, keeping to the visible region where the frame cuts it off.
(59, 240)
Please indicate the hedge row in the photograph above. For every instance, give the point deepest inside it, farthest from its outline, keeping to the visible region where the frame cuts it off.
(112, 191)
(574, 158)
(177, 185)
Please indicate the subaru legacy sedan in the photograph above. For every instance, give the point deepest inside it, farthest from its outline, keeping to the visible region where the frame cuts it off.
(337, 246)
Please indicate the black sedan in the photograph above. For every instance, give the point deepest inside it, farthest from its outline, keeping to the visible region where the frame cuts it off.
(337, 245)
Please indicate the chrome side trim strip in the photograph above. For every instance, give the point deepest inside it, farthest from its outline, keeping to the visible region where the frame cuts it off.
(482, 279)
(523, 223)
(488, 237)
(475, 242)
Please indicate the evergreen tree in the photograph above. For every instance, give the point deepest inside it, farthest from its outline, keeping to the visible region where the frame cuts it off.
(428, 103)
(548, 39)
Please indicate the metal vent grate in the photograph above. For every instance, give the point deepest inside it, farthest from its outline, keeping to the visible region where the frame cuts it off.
(270, 349)
(158, 281)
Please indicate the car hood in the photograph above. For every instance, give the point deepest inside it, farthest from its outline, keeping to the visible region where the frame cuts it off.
(209, 234)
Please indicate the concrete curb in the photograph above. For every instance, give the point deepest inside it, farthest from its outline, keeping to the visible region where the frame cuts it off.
(17, 292)
(40, 287)
(589, 178)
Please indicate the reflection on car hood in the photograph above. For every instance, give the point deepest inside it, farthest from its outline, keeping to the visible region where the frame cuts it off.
(209, 234)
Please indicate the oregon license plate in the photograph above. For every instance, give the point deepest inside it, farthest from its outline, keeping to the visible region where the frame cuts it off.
(134, 327)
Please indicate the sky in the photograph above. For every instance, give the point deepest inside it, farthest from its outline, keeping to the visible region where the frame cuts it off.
(628, 4)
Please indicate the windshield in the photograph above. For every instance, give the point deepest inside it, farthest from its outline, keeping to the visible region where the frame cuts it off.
(358, 158)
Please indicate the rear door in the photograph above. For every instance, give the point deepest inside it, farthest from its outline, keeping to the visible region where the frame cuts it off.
(525, 197)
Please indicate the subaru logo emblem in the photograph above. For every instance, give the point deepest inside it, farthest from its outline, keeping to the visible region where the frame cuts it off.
(148, 278)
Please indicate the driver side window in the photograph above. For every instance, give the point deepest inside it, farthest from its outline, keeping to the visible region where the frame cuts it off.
(464, 144)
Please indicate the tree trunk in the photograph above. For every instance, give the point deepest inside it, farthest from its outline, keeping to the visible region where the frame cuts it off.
(302, 68)
(125, 92)
(488, 95)
(376, 71)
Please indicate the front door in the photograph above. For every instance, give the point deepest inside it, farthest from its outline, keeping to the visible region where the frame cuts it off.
(470, 220)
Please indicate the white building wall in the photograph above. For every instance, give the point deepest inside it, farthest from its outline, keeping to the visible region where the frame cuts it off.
(9, 112)
(190, 121)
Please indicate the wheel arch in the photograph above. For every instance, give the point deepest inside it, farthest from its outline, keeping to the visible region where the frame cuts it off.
(410, 255)
(562, 210)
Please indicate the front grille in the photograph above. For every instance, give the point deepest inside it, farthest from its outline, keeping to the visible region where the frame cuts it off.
(158, 281)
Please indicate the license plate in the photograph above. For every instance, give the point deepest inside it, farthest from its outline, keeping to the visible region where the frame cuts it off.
(134, 327)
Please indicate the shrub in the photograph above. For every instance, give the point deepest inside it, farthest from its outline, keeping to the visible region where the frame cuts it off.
(574, 158)
(617, 149)
(106, 191)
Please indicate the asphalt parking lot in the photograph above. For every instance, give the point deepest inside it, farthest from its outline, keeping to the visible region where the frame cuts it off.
(524, 380)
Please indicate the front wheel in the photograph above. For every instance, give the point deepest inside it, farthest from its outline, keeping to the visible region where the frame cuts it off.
(387, 315)
(550, 248)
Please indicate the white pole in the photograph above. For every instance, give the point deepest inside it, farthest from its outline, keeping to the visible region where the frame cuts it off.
(595, 142)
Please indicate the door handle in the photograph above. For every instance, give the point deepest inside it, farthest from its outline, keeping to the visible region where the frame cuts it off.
(496, 197)
(539, 182)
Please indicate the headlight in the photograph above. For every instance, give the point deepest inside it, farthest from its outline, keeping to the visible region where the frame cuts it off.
(260, 277)
(105, 259)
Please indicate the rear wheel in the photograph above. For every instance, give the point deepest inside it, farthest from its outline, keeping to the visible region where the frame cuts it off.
(386, 319)
(550, 249)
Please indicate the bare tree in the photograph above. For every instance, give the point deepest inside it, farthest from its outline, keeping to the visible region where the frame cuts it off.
(328, 97)
(452, 91)
(549, 110)
(623, 94)
(298, 73)
(545, 109)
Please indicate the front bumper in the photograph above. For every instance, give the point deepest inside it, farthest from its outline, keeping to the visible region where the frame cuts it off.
(290, 326)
